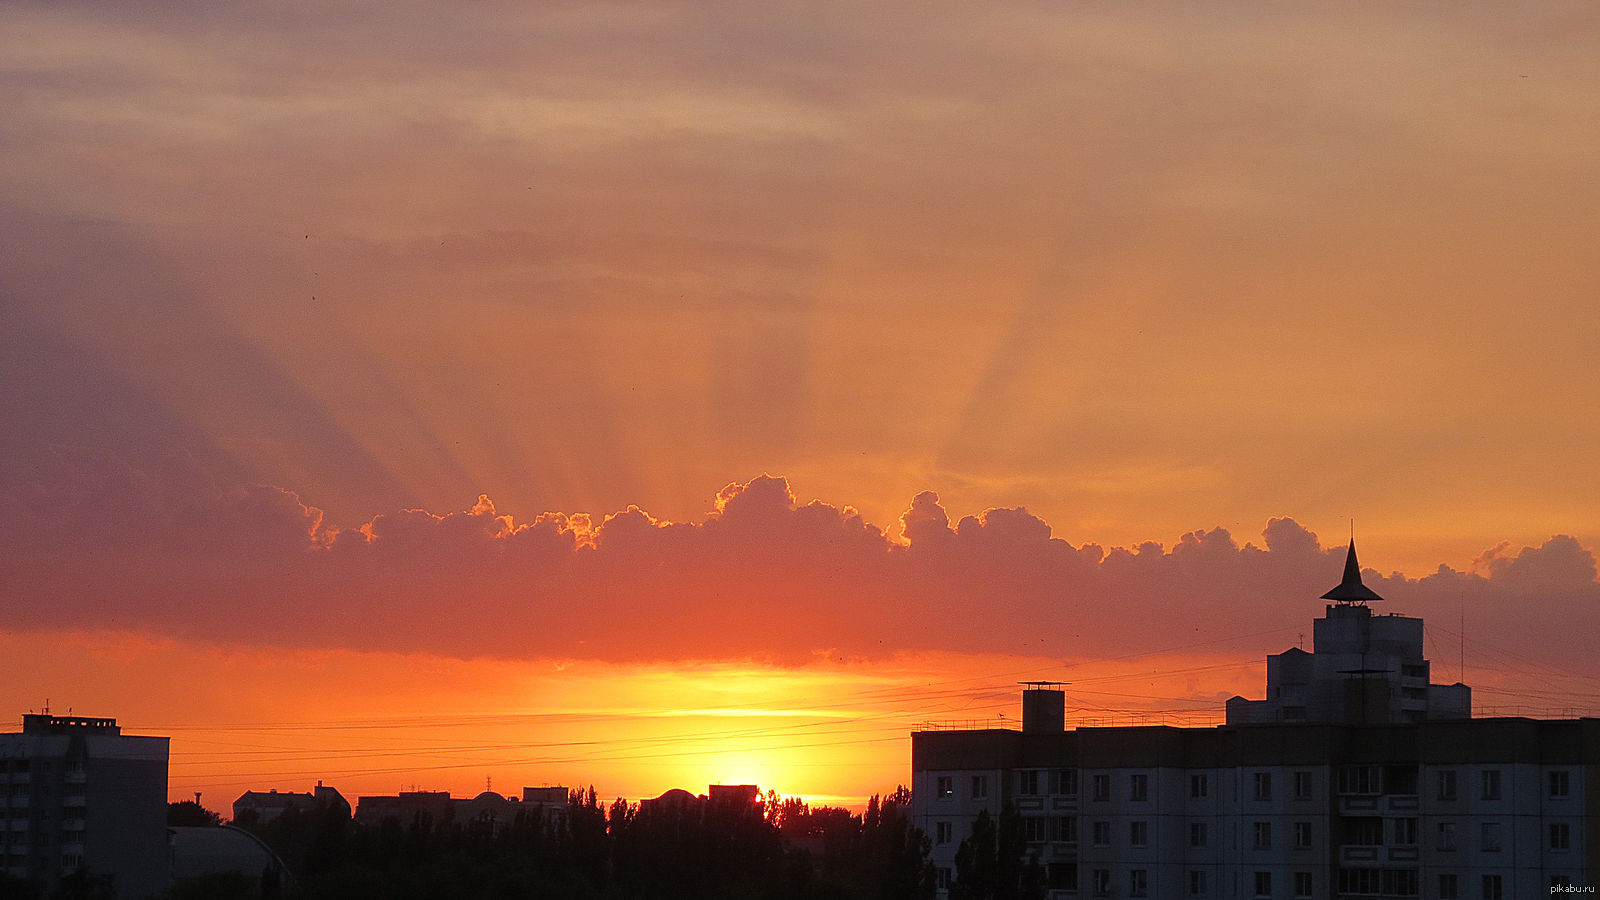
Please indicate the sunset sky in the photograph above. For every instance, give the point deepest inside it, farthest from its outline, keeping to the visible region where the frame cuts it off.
(649, 394)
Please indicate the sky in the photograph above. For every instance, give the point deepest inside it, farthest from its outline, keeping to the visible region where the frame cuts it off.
(650, 394)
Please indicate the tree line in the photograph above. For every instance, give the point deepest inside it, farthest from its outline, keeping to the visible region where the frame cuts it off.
(689, 849)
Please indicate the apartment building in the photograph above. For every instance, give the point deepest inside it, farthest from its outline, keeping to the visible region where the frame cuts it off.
(1354, 779)
(77, 794)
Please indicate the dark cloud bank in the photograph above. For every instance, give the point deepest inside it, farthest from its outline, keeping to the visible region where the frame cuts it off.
(92, 542)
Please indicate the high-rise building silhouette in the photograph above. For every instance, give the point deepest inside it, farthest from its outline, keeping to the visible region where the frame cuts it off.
(82, 796)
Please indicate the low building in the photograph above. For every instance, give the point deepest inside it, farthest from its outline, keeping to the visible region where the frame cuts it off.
(406, 808)
(1351, 780)
(439, 808)
(78, 794)
(261, 807)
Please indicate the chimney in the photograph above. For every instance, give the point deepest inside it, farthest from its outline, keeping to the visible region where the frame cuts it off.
(1044, 707)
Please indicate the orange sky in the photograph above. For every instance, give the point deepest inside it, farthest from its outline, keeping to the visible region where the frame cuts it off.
(1148, 270)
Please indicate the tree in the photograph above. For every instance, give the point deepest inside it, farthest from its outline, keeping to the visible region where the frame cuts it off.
(993, 863)
(187, 813)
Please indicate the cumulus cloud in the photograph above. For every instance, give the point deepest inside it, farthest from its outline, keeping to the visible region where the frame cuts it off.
(93, 542)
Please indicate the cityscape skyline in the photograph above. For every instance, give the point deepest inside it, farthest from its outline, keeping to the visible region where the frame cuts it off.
(649, 394)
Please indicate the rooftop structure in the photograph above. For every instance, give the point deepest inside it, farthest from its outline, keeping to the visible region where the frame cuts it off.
(1364, 669)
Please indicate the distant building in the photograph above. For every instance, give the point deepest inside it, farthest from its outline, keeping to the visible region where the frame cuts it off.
(260, 807)
(733, 794)
(1355, 778)
(78, 794)
(439, 808)
(716, 795)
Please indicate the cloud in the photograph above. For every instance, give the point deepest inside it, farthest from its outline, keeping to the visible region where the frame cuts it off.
(92, 542)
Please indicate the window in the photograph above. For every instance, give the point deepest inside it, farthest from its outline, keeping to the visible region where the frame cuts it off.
(1069, 782)
(1448, 888)
(1302, 884)
(942, 878)
(1302, 835)
(1363, 831)
(1035, 829)
(1263, 884)
(1138, 787)
(1490, 837)
(1560, 836)
(1067, 829)
(1263, 835)
(1197, 883)
(1263, 785)
(1302, 785)
(1138, 883)
(1491, 784)
(1447, 836)
(71, 860)
(1197, 834)
(1357, 780)
(944, 787)
(1029, 783)
(1405, 831)
(1447, 784)
(1102, 882)
(1400, 779)
(1359, 881)
(1492, 888)
(1294, 713)
(1138, 833)
(1102, 834)
(1199, 786)
(980, 787)
(942, 832)
(1560, 786)
(1102, 787)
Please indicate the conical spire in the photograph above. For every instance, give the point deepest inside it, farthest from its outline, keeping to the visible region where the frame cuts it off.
(1351, 590)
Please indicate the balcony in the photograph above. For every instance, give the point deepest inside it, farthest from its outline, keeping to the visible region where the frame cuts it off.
(1359, 803)
(1359, 854)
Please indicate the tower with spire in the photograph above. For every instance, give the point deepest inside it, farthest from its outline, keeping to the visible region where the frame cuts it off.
(1364, 669)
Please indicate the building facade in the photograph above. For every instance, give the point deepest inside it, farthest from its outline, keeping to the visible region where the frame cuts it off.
(1325, 790)
(78, 794)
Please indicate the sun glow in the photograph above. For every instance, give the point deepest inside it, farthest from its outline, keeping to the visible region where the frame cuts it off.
(376, 723)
